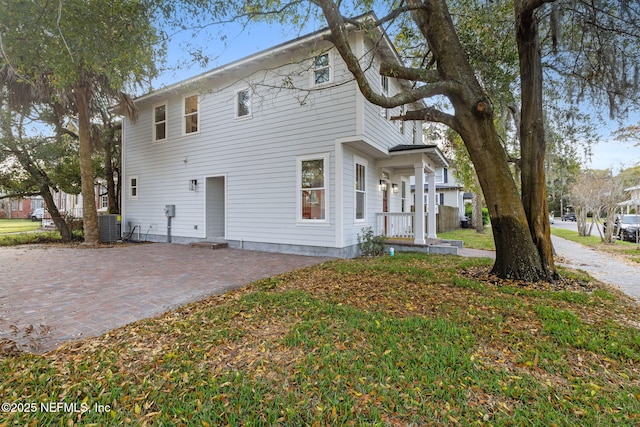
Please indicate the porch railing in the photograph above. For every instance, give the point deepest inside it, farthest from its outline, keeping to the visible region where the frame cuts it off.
(395, 224)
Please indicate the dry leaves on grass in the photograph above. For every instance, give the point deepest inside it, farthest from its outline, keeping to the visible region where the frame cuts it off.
(483, 274)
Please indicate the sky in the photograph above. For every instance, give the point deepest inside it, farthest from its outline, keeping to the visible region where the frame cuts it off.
(607, 154)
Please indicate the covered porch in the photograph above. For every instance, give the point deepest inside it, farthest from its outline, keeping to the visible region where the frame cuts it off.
(419, 161)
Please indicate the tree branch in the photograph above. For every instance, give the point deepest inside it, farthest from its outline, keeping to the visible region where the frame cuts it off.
(429, 114)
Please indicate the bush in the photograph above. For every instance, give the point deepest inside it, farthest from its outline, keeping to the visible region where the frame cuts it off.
(468, 211)
(369, 244)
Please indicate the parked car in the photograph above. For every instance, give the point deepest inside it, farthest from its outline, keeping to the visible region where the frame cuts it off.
(626, 227)
(37, 214)
(552, 220)
(569, 216)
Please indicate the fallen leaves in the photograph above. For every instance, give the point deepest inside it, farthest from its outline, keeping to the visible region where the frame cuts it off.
(348, 342)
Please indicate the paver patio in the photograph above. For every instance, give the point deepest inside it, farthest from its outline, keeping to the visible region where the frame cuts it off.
(81, 292)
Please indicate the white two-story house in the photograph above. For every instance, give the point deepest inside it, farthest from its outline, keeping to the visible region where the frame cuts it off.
(278, 151)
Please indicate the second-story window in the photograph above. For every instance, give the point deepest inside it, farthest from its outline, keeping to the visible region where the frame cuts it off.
(322, 69)
(243, 103)
(191, 114)
(160, 122)
(384, 87)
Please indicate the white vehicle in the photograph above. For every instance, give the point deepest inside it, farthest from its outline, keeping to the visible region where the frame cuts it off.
(37, 214)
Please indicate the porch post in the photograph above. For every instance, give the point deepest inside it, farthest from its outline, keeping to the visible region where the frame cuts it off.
(431, 200)
(419, 231)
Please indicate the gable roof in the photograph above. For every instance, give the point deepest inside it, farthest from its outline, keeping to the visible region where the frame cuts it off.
(386, 49)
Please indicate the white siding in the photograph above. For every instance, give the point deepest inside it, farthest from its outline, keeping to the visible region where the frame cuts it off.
(382, 132)
(256, 155)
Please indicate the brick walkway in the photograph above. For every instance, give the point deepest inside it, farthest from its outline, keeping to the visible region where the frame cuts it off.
(81, 292)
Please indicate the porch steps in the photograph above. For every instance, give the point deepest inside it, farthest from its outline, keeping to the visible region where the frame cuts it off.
(432, 246)
(209, 245)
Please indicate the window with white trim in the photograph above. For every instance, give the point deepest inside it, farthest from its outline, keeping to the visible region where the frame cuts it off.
(133, 187)
(384, 87)
(403, 195)
(322, 69)
(312, 188)
(360, 190)
(160, 122)
(191, 114)
(442, 175)
(243, 103)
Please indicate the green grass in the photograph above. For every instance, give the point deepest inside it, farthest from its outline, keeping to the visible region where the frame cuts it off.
(18, 225)
(403, 340)
(471, 238)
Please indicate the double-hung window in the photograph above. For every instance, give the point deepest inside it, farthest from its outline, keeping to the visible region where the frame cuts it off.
(384, 88)
(322, 69)
(360, 190)
(133, 187)
(312, 191)
(243, 103)
(191, 114)
(160, 122)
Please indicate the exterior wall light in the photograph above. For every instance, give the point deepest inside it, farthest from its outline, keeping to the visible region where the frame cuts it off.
(383, 185)
(394, 188)
(193, 185)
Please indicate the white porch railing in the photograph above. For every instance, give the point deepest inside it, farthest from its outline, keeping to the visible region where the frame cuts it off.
(395, 224)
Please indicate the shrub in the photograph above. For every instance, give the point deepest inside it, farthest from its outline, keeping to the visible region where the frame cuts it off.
(370, 244)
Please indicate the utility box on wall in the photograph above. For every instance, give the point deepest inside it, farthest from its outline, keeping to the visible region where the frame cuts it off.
(170, 210)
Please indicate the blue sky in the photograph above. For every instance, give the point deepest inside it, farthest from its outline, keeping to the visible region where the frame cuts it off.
(609, 153)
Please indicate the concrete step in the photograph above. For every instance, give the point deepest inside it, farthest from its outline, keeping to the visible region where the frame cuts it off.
(209, 245)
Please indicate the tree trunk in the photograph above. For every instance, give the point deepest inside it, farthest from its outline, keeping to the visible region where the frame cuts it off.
(89, 212)
(516, 254)
(63, 228)
(532, 135)
(112, 200)
(476, 213)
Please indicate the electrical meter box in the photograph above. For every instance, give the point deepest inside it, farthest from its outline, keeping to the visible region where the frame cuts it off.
(170, 210)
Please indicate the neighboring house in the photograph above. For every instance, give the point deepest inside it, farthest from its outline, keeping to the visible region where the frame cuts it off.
(448, 191)
(19, 208)
(278, 151)
(633, 202)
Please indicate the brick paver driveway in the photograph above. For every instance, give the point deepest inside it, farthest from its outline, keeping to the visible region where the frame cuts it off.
(81, 292)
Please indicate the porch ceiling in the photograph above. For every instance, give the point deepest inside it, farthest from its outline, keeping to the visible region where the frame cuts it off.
(407, 156)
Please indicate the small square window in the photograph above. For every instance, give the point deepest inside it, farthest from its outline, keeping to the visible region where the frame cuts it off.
(243, 103)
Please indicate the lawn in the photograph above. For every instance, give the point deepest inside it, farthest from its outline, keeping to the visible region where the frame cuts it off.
(18, 225)
(22, 231)
(471, 238)
(406, 340)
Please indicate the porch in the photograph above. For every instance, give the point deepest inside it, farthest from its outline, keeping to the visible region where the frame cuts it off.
(401, 224)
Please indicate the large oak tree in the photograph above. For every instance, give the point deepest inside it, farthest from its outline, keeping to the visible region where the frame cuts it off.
(72, 51)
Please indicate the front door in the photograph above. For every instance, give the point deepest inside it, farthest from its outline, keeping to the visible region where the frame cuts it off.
(215, 208)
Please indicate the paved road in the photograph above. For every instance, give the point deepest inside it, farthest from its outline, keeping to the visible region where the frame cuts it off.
(602, 266)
